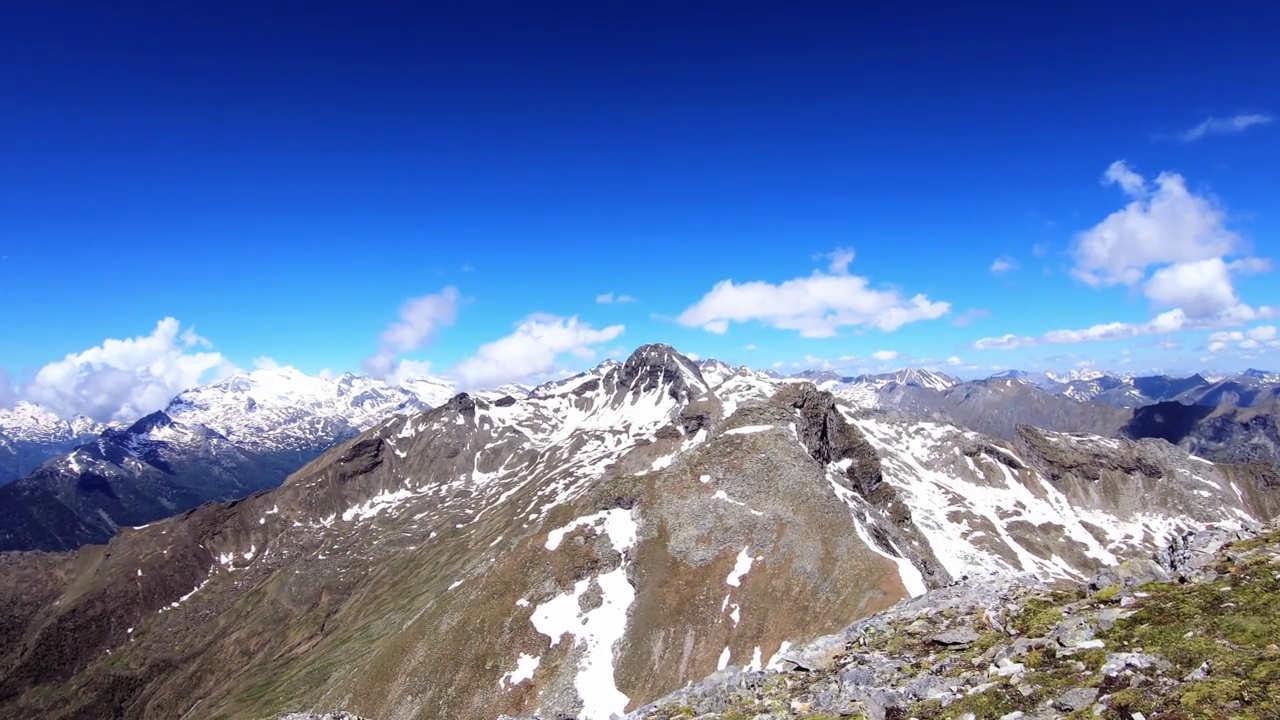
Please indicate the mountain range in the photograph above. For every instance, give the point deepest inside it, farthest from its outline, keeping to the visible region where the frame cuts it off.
(584, 548)
(84, 480)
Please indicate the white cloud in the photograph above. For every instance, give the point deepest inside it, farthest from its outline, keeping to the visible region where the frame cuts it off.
(531, 350)
(265, 363)
(1002, 265)
(1263, 333)
(1119, 173)
(750, 346)
(1170, 321)
(840, 259)
(1162, 225)
(884, 355)
(1224, 126)
(1201, 287)
(609, 298)
(817, 305)
(420, 319)
(124, 380)
(954, 361)
(1171, 244)
(1251, 339)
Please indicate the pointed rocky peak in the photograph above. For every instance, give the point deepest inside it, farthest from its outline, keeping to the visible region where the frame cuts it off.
(156, 420)
(1261, 375)
(658, 366)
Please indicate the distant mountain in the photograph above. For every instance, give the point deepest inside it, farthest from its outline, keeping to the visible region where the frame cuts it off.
(1243, 389)
(999, 407)
(1220, 434)
(216, 442)
(31, 434)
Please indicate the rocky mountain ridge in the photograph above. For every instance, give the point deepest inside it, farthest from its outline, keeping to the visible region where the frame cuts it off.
(581, 551)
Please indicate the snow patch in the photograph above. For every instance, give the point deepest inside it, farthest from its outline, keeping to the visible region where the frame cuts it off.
(740, 568)
(525, 665)
(748, 429)
(617, 523)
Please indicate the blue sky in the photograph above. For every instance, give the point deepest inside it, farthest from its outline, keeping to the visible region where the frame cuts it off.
(285, 179)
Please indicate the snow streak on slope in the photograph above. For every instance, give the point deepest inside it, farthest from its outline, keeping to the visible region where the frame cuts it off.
(981, 515)
(595, 631)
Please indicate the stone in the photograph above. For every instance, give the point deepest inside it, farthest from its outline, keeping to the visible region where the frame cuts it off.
(956, 636)
(1076, 699)
(1200, 673)
(858, 677)
(820, 654)
(879, 704)
(1118, 662)
(1130, 573)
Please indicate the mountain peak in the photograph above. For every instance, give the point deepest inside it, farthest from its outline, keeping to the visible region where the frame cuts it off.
(658, 364)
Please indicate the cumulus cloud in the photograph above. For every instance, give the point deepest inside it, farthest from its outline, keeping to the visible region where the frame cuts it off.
(609, 299)
(839, 260)
(1168, 241)
(1002, 265)
(816, 306)
(1251, 339)
(954, 361)
(1171, 244)
(420, 319)
(122, 380)
(884, 355)
(532, 349)
(1224, 126)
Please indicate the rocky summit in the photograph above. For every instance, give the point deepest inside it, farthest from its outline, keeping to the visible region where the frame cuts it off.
(592, 546)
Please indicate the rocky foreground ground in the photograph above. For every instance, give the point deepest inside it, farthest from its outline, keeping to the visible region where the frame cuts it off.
(1191, 633)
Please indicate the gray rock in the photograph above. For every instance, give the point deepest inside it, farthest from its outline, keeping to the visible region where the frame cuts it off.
(926, 687)
(1076, 699)
(1119, 662)
(880, 702)
(820, 654)
(1130, 573)
(1073, 631)
(956, 636)
(858, 677)
(1200, 673)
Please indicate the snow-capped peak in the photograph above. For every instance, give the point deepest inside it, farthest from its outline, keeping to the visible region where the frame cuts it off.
(285, 408)
(29, 422)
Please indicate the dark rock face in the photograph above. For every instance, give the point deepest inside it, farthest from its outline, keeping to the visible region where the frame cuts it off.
(652, 367)
(830, 438)
(1221, 434)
